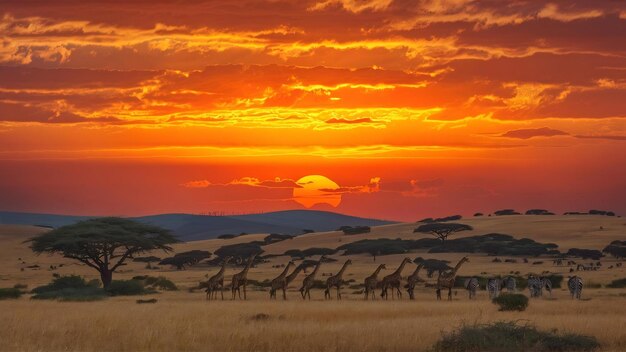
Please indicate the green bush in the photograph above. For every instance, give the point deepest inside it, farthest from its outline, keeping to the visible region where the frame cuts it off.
(619, 283)
(126, 288)
(511, 337)
(10, 293)
(511, 301)
(70, 288)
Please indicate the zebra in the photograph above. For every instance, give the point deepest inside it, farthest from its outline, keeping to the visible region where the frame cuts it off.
(471, 285)
(547, 284)
(575, 284)
(509, 283)
(535, 286)
(494, 286)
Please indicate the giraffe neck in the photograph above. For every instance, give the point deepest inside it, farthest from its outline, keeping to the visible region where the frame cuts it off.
(399, 270)
(458, 265)
(343, 268)
(317, 267)
(244, 272)
(222, 269)
(284, 273)
(417, 270)
(294, 274)
(375, 274)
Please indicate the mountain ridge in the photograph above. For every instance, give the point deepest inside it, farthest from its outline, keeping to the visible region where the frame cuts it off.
(191, 227)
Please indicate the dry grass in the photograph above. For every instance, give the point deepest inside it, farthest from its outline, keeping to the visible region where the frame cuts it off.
(185, 321)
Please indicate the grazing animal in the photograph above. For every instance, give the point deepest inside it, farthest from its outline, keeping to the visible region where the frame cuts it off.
(309, 280)
(494, 286)
(412, 280)
(575, 285)
(471, 285)
(336, 281)
(280, 282)
(509, 283)
(547, 284)
(446, 279)
(393, 281)
(241, 279)
(619, 265)
(216, 282)
(535, 286)
(371, 282)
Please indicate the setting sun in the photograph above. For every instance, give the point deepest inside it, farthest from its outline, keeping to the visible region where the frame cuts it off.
(315, 190)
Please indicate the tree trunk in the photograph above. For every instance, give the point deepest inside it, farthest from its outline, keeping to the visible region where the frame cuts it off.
(106, 276)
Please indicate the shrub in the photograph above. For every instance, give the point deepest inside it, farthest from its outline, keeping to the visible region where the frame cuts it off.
(10, 293)
(619, 283)
(511, 301)
(160, 282)
(276, 237)
(585, 253)
(538, 212)
(126, 288)
(242, 250)
(20, 286)
(616, 248)
(509, 336)
(354, 230)
(70, 288)
(506, 212)
(183, 259)
(296, 253)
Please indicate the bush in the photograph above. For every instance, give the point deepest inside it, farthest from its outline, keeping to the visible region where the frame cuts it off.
(506, 212)
(511, 301)
(160, 283)
(619, 283)
(126, 288)
(296, 253)
(10, 293)
(538, 212)
(350, 230)
(69, 288)
(585, 253)
(616, 248)
(242, 250)
(511, 337)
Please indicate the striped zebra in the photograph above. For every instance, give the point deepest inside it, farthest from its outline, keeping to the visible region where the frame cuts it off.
(575, 285)
(535, 286)
(471, 285)
(494, 286)
(509, 283)
(547, 284)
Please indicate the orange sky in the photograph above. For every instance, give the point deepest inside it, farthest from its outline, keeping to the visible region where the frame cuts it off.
(413, 108)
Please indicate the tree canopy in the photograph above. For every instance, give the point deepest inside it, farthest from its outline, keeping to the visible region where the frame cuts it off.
(442, 230)
(189, 258)
(104, 244)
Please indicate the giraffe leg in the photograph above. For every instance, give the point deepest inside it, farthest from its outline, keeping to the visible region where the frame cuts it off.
(284, 294)
(338, 292)
(244, 292)
(450, 293)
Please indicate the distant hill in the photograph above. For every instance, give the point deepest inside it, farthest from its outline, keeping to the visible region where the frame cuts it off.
(189, 227)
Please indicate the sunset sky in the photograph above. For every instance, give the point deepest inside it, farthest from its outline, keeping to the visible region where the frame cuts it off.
(406, 109)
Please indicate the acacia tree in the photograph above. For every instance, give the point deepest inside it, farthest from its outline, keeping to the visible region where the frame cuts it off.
(442, 230)
(103, 243)
(183, 259)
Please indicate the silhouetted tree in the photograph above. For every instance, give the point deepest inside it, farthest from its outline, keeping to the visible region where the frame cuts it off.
(104, 243)
(442, 230)
(180, 260)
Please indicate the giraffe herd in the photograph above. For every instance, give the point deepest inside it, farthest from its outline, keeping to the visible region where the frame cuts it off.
(445, 280)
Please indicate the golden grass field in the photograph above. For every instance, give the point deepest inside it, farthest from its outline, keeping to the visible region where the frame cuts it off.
(186, 321)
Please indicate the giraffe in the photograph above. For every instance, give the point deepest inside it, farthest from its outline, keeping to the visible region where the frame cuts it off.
(217, 281)
(281, 282)
(336, 281)
(293, 274)
(241, 279)
(446, 279)
(309, 280)
(393, 281)
(412, 280)
(372, 281)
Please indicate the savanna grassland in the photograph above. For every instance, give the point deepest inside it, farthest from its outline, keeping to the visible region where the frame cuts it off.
(184, 320)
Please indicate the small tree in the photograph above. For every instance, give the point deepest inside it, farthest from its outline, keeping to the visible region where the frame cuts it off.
(442, 230)
(104, 243)
(616, 249)
(183, 259)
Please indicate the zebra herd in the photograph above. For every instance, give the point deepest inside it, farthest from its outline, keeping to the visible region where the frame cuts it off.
(536, 286)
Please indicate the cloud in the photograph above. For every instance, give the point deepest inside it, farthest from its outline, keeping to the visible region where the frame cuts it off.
(246, 181)
(534, 132)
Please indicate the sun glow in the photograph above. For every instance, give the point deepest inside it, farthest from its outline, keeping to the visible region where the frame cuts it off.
(315, 190)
